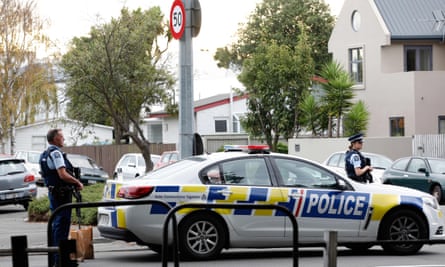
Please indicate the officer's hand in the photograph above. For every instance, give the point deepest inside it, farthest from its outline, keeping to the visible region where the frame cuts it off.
(79, 186)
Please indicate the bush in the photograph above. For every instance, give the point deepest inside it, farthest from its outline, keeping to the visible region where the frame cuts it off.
(38, 210)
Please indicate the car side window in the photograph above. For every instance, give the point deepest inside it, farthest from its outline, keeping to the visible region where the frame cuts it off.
(249, 171)
(416, 164)
(302, 174)
(400, 164)
(141, 161)
(334, 160)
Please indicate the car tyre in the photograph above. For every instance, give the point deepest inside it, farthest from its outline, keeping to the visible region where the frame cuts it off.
(25, 205)
(436, 191)
(403, 225)
(201, 237)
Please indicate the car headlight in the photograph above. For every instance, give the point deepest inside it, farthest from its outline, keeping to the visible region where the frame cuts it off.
(431, 201)
(105, 176)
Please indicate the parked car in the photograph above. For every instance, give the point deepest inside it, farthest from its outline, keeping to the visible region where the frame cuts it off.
(426, 174)
(321, 200)
(31, 163)
(379, 163)
(17, 183)
(90, 173)
(132, 165)
(167, 157)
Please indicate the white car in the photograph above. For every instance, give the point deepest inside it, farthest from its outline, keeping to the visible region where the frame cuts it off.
(132, 165)
(379, 163)
(31, 163)
(320, 199)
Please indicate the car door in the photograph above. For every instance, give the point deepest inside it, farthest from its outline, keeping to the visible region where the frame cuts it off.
(248, 181)
(313, 196)
(128, 167)
(413, 175)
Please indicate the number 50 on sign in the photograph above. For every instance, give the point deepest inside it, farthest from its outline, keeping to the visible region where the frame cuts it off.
(177, 19)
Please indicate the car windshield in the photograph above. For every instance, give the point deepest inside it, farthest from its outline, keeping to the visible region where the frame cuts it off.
(174, 168)
(379, 162)
(437, 166)
(81, 162)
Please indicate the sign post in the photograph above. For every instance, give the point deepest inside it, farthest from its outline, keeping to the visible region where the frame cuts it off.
(185, 22)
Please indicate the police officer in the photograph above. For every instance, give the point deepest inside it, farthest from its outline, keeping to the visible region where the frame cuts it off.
(60, 182)
(355, 164)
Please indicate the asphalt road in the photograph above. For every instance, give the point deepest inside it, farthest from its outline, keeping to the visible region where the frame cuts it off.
(112, 253)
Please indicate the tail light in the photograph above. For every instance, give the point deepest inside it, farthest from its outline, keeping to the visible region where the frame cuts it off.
(29, 178)
(134, 192)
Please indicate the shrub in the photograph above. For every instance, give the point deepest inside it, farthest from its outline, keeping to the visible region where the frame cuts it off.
(38, 210)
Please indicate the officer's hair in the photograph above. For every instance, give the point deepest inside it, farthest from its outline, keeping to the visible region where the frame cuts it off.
(52, 134)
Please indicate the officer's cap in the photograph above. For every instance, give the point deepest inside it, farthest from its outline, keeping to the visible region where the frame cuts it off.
(355, 138)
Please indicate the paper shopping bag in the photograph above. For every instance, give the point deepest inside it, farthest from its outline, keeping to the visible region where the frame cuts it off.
(84, 242)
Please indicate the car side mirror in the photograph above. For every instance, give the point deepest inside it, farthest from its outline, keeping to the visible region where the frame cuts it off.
(423, 170)
(341, 185)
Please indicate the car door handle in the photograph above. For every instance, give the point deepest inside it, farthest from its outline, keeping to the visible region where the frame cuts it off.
(225, 192)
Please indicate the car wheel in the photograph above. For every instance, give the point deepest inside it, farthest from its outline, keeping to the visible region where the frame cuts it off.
(436, 191)
(201, 237)
(403, 225)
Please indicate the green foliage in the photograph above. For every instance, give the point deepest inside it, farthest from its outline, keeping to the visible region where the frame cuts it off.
(27, 85)
(118, 72)
(282, 148)
(338, 94)
(356, 120)
(279, 20)
(39, 208)
(275, 77)
(312, 115)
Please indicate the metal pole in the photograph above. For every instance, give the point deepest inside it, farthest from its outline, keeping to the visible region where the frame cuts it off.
(19, 244)
(186, 117)
(330, 251)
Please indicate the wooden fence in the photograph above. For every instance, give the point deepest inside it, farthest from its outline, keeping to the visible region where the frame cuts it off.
(107, 156)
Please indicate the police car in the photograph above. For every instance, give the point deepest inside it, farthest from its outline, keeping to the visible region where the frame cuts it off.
(320, 199)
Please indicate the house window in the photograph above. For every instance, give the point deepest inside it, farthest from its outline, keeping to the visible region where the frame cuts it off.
(356, 64)
(418, 58)
(441, 124)
(155, 133)
(221, 126)
(397, 126)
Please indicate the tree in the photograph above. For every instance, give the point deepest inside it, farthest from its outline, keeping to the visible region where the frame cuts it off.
(118, 73)
(312, 115)
(279, 20)
(27, 84)
(338, 93)
(356, 120)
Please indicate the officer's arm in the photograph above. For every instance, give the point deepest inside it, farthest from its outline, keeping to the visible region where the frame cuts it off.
(64, 175)
(360, 172)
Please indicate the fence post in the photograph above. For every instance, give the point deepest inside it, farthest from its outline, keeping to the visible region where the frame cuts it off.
(19, 244)
(66, 248)
(330, 250)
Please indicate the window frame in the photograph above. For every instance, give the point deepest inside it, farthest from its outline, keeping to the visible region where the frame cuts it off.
(398, 131)
(358, 77)
(418, 56)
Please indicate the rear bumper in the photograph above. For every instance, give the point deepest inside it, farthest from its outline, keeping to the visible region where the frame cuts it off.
(118, 234)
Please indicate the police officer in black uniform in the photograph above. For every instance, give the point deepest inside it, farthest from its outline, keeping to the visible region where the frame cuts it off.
(356, 166)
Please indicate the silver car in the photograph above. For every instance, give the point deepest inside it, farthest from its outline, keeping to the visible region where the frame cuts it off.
(17, 183)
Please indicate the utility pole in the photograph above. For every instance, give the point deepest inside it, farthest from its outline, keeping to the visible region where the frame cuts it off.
(185, 23)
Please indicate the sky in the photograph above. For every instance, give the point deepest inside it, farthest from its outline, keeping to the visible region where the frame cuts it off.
(220, 21)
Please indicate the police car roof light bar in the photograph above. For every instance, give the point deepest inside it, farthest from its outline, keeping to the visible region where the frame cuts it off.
(251, 149)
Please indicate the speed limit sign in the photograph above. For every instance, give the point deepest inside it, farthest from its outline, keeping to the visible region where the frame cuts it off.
(177, 19)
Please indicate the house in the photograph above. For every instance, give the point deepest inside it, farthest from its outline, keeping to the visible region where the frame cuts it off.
(33, 136)
(219, 114)
(395, 52)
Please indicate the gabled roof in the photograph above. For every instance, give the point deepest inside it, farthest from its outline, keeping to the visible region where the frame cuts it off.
(203, 104)
(413, 19)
